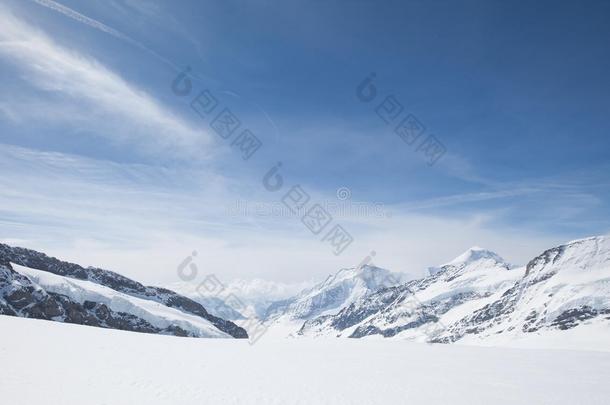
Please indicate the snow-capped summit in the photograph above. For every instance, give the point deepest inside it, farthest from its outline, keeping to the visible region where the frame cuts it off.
(473, 259)
(562, 288)
(479, 297)
(367, 276)
(330, 296)
(475, 276)
(339, 290)
(585, 254)
(475, 254)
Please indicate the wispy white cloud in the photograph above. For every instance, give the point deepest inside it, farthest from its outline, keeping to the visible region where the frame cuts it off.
(457, 199)
(91, 94)
(142, 220)
(148, 10)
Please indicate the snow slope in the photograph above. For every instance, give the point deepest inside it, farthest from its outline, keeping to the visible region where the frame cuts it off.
(156, 314)
(19, 297)
(65, 364)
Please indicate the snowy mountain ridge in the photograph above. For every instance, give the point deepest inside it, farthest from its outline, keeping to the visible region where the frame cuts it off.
(478, 296)
(35, 285)
(337, 291)
(475, 255)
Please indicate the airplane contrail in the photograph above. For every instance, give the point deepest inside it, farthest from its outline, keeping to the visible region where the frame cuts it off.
(75, 15)
(81, 18)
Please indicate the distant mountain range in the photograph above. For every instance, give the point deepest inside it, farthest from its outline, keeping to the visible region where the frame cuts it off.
(413, 307)
(256, 295)
(477, 297)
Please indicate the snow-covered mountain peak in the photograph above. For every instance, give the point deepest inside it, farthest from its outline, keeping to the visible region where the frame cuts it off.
(332, 295)
(478, 296)
(475, 258)
(590, 254)
(475, 254)
(372, 277)
(598, 238)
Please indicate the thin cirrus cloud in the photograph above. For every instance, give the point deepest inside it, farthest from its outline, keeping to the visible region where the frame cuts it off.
(98, 25)
(142, 220)
(107, 104)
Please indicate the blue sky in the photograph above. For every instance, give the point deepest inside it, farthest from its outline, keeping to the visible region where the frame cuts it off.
(104, 164)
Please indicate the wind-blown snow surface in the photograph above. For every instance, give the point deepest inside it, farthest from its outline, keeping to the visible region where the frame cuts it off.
(75, 364)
